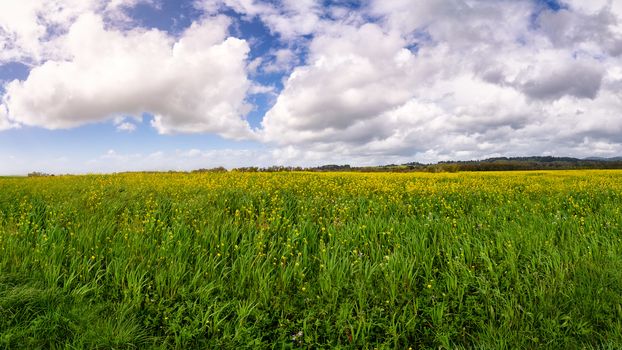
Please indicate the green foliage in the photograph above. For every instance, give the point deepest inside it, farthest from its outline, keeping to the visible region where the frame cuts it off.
(302, 260)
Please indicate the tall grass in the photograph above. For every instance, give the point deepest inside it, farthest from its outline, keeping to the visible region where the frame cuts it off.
(300, 260)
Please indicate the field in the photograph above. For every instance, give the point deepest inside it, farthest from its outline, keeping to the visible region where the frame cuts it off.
(307, 260)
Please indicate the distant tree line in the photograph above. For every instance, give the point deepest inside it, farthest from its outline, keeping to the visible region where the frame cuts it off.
(528, 163)
(491, 164)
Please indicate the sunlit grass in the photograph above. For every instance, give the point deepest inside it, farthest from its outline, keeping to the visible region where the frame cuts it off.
(304, 260)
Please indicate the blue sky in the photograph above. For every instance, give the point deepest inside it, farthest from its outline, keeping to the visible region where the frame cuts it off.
(116, 85)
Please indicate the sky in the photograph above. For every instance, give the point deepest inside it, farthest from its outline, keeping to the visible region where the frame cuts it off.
(97, 86)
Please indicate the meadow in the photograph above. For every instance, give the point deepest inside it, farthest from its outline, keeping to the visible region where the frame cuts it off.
(513, 260)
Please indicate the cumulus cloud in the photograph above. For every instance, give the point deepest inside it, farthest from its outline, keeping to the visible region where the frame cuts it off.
(593, 27)
(578, 81)
(455, 80)
(386, 81)
(28, 28)
(287, 18)
(5, 123)
(346, 82)
(195, 83)
(24, 25)
(282, 60)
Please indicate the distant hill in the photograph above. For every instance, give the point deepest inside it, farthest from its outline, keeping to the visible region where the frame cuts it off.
(490, 164)
(614, 159)
(529, 163)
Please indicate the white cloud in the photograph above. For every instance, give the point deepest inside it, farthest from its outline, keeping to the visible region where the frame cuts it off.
(442, 79)
(553, 74)
(29, 28)
(283, 60)
(209, 7)
(126, 126)
(347, 81)
(196, 83)
(481, 81)
(5, 123)
(596, 32)
(116, 10)
(25, 24)
(256, 89)
(287, 18)
(254, 65)
(117, 4)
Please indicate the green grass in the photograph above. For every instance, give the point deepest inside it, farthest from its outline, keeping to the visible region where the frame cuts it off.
(488, 261)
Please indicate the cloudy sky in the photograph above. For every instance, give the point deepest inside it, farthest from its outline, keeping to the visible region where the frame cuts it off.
(115, 85)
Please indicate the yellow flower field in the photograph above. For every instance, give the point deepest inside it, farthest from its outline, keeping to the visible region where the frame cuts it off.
(312, 260)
